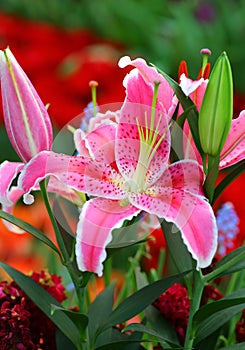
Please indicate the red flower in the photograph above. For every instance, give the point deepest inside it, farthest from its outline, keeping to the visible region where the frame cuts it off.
(240, 328)
(51, 283)
(22, 324)
(15, 330)
(174, 304)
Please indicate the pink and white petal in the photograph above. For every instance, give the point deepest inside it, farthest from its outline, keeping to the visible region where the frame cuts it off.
(195, 219)
(98, 144)
(234, 147)
(98, 218)
(195, 89)
(79, 173)
(103, 118)
(184, 175)
(191, 214)
(14, 195)
(79, 142)
(48, 163)
(57, 187)
(150, 75)
(128, 144)
(8, 172)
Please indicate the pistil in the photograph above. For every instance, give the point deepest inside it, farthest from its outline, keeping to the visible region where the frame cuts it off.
(148, 146)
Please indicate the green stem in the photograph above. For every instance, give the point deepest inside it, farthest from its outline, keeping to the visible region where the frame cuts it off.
(198, 286)
(107, 272)
(66, 258)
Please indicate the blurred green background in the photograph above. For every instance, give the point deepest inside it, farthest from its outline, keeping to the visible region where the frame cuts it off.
(163, 31)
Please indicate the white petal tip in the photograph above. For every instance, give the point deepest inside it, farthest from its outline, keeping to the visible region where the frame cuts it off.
(28, 199)
(124, 61)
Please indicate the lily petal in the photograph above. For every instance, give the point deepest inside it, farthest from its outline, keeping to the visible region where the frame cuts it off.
(98, 218)
(150, 75)
(234, 147)
(78, 172)
(195, 89)
(8, 172)
(177, 197)
(87, 144)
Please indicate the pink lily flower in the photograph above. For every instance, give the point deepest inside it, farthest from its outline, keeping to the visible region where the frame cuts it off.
(124, 169)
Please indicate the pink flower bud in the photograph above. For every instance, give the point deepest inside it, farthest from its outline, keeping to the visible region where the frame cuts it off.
(26, 119)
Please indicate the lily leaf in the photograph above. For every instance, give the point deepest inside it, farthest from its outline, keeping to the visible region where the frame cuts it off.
(215, 315)
(236, 170)
(138, 327)
(137, 302)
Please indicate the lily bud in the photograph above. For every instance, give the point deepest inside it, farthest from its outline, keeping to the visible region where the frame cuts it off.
(217, 106)
(26, 119)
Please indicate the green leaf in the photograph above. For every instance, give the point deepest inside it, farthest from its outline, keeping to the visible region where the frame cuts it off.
(240, 346)
(124, 345)
(29, 228)
(236, 170)
(62, 342)
(179, 254)
(44, 301)
(210, 309)
(138, 327)
(100, 310)
(213, 316)
(80, 320)
(216, 321)
(137, 302)
(161, 325)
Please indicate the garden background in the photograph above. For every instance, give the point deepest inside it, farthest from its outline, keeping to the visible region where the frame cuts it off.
(64, 44)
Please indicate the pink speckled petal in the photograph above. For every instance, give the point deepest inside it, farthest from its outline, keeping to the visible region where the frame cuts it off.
(97, 220)
(8, 172)
(127, 147)
(178, 198)
(48, 163)
(98, 144)
(80, 173)
(234, 147)
(150, 75)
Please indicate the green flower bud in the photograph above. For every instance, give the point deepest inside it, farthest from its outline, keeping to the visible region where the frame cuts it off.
(217, 107)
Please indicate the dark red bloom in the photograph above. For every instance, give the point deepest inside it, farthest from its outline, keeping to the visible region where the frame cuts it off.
(240, 328)
(52, 284)
(22, 324)
(15, 330)
(210, 292)
(174, 304)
